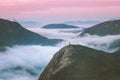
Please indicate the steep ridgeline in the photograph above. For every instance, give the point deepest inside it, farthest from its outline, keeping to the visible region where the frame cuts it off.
(105, 28)
(58, 26)
(12, 33)
(76, 62)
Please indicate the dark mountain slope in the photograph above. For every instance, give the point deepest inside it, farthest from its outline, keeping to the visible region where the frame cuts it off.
(76, 62)
(105, 28)
(58, 26)
(12, 33)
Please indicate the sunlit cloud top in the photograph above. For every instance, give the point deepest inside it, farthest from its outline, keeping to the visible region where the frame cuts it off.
(59, 10)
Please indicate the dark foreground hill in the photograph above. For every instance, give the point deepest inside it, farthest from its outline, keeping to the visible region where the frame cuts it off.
(76, 62)
(58, 26)
(104, 28)
(12, 33)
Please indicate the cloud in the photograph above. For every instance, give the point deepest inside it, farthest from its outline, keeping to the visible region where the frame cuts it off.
(61, 3)
(109, 43)
(64, 34)
(25, 62)
(46, 10)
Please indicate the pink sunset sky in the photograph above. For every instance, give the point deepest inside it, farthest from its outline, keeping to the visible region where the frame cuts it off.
(50, 11)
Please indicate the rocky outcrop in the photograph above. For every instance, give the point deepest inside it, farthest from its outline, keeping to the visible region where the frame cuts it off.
(75, 62)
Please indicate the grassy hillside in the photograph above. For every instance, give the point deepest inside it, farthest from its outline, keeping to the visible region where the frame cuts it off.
(75, 62)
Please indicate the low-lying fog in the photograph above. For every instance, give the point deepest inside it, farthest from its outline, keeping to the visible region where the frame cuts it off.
(104, 43)
(27, 62)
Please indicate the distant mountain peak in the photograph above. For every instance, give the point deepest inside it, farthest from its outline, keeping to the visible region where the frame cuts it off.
(58, 26)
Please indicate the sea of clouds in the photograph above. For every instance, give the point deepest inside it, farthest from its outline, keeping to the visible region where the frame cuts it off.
(22, 62)
(25, 62)
(104, 43)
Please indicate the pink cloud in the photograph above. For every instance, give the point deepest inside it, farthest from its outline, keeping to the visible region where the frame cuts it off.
(84, 3)
(46, 4)
(54, 8)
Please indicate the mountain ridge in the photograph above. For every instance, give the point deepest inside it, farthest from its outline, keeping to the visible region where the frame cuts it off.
(75, 62)
(12, 33)
(105, 28)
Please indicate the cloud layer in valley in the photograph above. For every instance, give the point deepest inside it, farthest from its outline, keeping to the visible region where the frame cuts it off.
(109, 43)
(25, 62)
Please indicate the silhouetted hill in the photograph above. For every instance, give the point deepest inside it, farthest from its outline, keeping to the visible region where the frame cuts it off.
(12, 33)
(58, 26)
(75, 62)
(104, 28)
